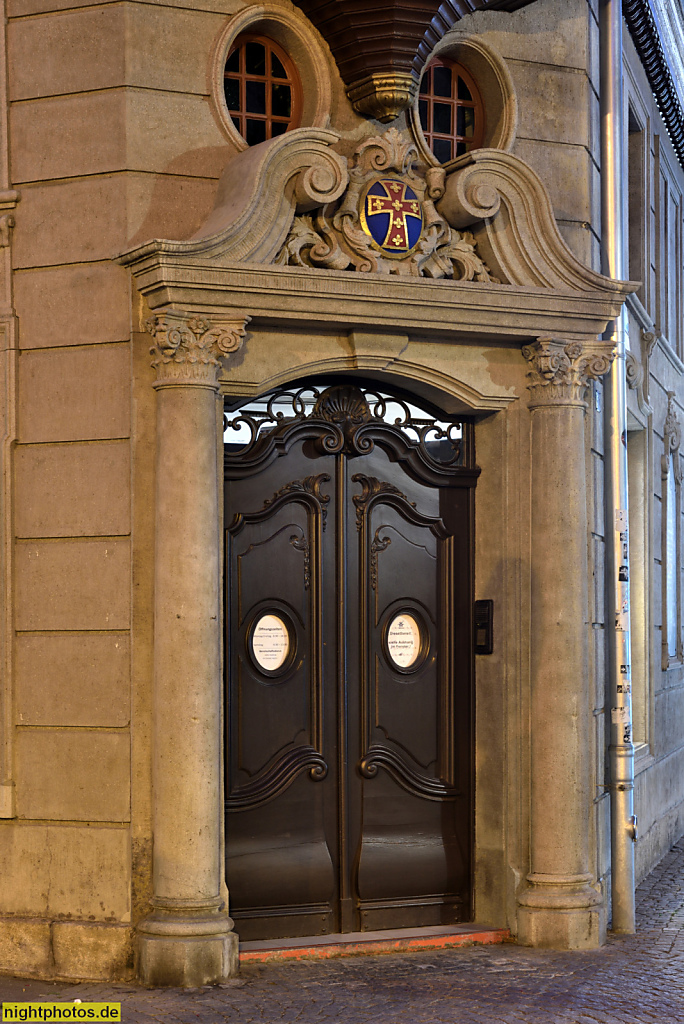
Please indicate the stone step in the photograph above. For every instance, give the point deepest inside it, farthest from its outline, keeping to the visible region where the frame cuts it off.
(400, 940)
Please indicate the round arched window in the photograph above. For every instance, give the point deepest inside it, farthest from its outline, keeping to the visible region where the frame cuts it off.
(450, 110)
(262, 89)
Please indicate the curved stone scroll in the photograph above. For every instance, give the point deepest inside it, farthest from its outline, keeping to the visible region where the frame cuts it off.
(259, 194)
(506, 206)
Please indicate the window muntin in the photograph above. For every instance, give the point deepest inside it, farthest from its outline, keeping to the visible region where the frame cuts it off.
(450, 110)
(261, 88)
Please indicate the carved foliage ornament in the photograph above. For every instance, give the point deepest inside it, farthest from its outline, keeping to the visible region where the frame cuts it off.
(560, 372)
(188, 349)
(673, 439)
(386, 222)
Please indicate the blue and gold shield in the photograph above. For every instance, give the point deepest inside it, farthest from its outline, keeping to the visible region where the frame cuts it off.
(393, 216)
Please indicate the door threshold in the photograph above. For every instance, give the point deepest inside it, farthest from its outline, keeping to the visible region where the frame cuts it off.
(398, 940)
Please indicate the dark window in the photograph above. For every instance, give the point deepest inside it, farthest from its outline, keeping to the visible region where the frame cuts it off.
(262, 89)
(450, 110)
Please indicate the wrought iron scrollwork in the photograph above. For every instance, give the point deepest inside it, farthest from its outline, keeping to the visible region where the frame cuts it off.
(350, 413)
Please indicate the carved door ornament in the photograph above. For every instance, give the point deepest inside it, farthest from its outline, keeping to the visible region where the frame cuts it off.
(386, 221)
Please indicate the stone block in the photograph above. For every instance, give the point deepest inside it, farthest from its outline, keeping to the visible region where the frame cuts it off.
(199, 150)
(168, 47)
(77, 584)
(76, 221)
(64, 871)
(542, 32)
(69, 135)
(74, 394)
(167, 206)
(569, 174)
(72, 490)
(72, 679)
(73, 305)
(99, 952)
(73, 774)
(96, 133)
(24, 946)
(76, 51)
(553, 103)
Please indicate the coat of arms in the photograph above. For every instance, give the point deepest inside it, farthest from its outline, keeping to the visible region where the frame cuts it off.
(386, 221)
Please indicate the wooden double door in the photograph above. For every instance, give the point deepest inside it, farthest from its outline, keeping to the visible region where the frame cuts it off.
(348, 662)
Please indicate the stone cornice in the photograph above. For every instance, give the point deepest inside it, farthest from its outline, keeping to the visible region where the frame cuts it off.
(560, 372)
(187, 347)
(333, 299)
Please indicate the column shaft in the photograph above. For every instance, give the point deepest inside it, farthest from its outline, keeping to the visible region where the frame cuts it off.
(188, 939)
(561, 907)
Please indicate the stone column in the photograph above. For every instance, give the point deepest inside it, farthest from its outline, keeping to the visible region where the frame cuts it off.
(188, 939)
(560, 907)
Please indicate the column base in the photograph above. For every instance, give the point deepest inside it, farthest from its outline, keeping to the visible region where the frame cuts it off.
(186, 951)
(561, 913)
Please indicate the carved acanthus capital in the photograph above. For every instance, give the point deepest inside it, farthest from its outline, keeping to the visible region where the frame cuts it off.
(188, 347)
(560, 371)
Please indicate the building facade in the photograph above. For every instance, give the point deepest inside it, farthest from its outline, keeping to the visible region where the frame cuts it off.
(305, 531)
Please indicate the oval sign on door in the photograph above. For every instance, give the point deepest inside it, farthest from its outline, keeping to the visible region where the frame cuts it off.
(404, 640)
(270, 643)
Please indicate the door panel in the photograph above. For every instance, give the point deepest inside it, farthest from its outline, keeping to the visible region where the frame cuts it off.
(348, 663)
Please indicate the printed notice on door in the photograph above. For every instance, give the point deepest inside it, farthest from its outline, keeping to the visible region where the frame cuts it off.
(403, 640)
(270, 643)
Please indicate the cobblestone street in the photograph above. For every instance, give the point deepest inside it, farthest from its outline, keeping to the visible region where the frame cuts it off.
(632, 980)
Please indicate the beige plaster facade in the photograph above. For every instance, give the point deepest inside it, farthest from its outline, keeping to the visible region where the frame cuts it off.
(111, 680)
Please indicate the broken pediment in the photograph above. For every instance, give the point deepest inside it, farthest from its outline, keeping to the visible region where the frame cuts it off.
(313, 222)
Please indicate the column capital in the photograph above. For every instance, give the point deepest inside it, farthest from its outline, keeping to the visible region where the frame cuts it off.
(560, 371)
(188, 347)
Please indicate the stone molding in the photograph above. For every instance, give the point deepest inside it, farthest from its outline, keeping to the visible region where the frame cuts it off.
(494, 82)
(187, 348)
(560, 371)
(510, 212)
(258, 195)
(293, 31)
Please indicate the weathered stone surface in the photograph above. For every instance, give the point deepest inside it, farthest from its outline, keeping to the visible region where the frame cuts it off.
(73, 584)
(73, 775)
(73, 305)
(25, 946)
(67, 53)
(73, 490)
(64, 871)
(74, 394)
(72, 679)
(95, 133)
(95, 951)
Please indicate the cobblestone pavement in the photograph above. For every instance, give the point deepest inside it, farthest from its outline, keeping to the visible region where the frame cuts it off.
(633, 980)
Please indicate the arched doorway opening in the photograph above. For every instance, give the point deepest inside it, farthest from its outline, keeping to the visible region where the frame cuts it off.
(349, 595)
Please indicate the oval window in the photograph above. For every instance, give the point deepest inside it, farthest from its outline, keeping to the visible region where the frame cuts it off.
(404, 641)
(270, 643)
(262, 89)
(450, 110)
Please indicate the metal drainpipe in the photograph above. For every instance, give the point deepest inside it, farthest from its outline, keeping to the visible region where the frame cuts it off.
(621, 750)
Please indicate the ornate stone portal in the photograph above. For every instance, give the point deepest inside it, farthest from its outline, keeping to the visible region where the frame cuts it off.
(286, 254)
